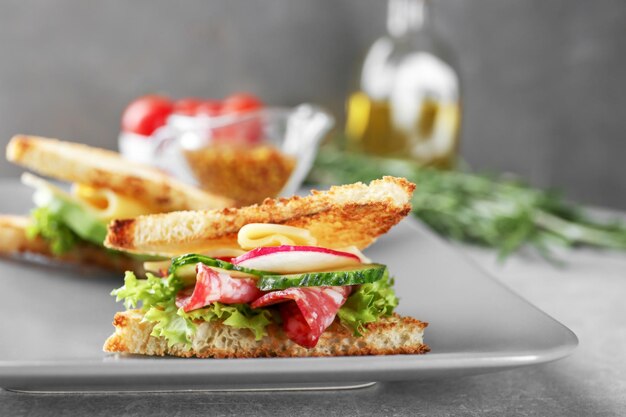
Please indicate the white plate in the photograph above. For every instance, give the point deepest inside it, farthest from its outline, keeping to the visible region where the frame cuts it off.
(55, 320)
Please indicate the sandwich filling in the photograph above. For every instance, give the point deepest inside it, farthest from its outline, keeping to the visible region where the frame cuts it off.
(282, 278)
(65, 219)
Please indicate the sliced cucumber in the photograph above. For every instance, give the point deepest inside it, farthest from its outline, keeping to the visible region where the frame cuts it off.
(185, 266)
(361, 274)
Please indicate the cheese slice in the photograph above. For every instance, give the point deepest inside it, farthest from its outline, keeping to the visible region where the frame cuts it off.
(108, 205)
(255, 235)
(103, 204)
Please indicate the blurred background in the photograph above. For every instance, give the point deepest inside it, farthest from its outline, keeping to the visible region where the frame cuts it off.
(543, 82)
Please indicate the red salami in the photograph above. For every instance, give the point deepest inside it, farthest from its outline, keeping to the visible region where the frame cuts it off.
(313, 311)
(217, 287)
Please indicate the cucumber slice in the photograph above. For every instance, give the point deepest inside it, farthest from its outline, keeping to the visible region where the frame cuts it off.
(361, 274)
(183, 266)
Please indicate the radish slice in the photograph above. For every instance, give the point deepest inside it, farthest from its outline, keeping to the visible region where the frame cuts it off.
(355, 251)
(288, 259)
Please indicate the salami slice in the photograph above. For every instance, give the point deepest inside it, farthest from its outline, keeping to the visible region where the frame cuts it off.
(313, 311)
(217, 287)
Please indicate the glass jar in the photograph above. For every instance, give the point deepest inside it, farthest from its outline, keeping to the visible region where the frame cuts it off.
(408, 102)
(246, 157)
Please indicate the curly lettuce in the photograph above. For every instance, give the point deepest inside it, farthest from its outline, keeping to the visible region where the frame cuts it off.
(169, 324)
(368, 304)
(153, 291)
(238, 316)
(156, 297)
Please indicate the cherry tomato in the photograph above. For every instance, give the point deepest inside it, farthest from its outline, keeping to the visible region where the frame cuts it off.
(187, 106)
(210, 108)
(146, 114)
(240, 103)
(249, 129)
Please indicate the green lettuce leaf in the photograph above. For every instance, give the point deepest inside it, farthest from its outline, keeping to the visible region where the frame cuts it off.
(80, 220)
(368, 304)
(153, 291)
(157, 297)
(50, 226)
(177, 326)
(64, 223)
(239, 316)
(171, 324)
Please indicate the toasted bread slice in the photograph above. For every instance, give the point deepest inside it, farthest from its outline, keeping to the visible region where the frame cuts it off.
(354, 214)
(101, 168)
(14, 241)
(389, 336)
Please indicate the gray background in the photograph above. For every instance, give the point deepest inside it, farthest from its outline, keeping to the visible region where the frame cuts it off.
(544, 80)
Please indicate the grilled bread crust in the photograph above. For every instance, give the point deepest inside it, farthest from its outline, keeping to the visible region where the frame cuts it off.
(102, 168)
(15, 242)
(346, 215)
(389, 336)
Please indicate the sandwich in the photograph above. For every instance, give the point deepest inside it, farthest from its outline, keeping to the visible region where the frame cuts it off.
(71, 225)
(284, 278)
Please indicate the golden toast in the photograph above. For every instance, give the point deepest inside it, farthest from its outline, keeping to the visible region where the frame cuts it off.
(101, 168)
(346, 215)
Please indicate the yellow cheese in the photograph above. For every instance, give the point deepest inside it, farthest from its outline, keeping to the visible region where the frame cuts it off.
(104, 204)
(255, 235)
(108, 205)
(46, 191)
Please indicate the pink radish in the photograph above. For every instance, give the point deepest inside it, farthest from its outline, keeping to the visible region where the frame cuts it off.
(288, 259)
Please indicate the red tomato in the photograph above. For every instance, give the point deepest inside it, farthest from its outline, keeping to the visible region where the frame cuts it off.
(146, 114)
(247, 131)
(187, 106)
(209, 108)
(240, 103)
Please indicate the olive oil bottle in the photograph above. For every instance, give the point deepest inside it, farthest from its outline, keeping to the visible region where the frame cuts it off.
(408, 101)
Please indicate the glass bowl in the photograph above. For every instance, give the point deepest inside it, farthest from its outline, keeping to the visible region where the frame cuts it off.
(246, 157)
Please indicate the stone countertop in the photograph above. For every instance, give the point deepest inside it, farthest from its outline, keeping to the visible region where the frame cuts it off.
(587, 295)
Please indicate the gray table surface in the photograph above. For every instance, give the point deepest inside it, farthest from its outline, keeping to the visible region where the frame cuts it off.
(587, 295)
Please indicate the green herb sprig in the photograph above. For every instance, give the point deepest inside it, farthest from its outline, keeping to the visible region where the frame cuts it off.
(494, 211)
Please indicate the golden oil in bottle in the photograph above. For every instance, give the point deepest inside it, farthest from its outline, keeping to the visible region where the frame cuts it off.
(370, 127)
(408, 103)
